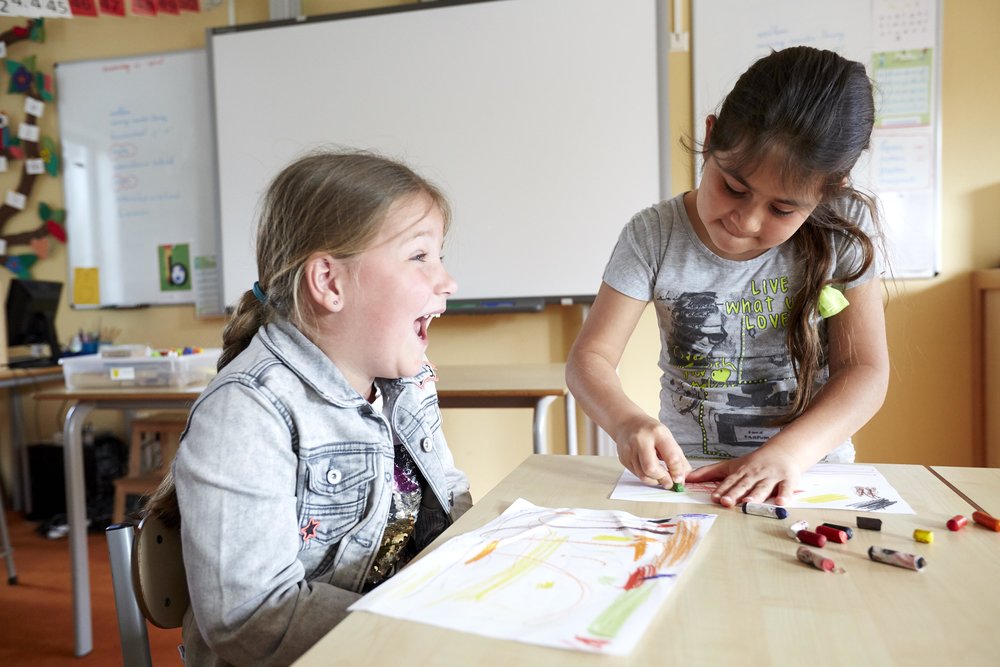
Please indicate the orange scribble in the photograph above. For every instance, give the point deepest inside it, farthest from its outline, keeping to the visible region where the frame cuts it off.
(487, 550)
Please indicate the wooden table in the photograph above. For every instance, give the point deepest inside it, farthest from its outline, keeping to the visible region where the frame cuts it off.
(745, 599)
(979, 486)
(534, 386)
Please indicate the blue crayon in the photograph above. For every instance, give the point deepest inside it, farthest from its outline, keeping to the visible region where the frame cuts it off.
(763, 509)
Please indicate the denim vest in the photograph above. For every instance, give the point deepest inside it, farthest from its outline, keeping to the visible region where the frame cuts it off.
(284, 476)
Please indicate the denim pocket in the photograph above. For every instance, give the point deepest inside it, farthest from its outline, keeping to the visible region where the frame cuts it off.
(337, 483)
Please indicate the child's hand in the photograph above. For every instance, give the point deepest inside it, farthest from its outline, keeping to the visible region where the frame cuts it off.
(645, 446)
(752, 478)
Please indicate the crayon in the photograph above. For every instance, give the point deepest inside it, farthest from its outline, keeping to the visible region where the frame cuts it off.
(957, 522)
(832, 534)
(924, 536)
(818, 561)
(869, 523)
(678, 487)
(809, 537)
(897, 558)
(763, 509)
(847, 529)
(793, 530)
(984, 519)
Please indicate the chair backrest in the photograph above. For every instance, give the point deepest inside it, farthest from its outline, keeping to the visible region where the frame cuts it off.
(147, 572)
(158, 573)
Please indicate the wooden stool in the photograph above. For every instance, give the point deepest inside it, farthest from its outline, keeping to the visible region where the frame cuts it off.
(166, 428)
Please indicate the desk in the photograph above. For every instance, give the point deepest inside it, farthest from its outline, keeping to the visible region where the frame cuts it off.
(526, 385)
(86, 402)
(980, 486)
(534, 386)
(11, 379)
(745, 599)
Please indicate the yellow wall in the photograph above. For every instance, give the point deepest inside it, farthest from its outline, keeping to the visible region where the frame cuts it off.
(927, 416)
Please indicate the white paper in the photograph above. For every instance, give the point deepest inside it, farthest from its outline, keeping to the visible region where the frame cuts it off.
(579, 579)
(836, 486)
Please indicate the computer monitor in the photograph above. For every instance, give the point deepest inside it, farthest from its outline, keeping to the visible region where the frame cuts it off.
(31, 319)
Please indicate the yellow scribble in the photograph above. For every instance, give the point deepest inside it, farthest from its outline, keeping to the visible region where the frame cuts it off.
(522, 566)
(545, 584)
(825, 498)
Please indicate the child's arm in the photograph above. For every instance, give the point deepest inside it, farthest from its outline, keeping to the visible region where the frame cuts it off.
(591, 375)
(859, 376)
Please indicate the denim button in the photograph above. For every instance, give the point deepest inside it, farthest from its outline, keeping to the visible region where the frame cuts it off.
(333, 475)
(427, 444)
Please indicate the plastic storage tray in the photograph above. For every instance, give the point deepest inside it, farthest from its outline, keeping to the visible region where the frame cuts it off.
(92, 371)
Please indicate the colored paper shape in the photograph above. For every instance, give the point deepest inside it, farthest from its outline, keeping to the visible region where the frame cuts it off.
(83, 7)
(86, 286)
(113, 7)
(144, 7)
(588, 580)
(167, 7)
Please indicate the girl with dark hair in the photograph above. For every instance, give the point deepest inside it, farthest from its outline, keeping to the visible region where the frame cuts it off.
(792, 358)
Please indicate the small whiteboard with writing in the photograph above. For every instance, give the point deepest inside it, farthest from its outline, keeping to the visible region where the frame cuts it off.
(140, 182)
(899, 41)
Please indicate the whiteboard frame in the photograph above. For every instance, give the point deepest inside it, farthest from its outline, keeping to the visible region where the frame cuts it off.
(97, 234)
(242, 166)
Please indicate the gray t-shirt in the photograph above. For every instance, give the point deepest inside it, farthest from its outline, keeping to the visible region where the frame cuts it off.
(727, 375)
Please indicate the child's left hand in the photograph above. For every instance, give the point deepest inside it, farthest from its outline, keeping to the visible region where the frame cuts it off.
(751, 478)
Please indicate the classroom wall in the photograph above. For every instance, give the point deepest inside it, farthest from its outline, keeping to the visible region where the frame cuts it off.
(927, 416)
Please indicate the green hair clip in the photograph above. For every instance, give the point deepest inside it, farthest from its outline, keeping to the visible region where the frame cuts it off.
(831, 301)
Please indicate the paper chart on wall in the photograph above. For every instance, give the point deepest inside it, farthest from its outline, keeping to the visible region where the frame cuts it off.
(579, 579)
(838, 486)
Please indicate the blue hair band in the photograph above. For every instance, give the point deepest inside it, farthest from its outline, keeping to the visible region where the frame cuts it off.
(258, 292)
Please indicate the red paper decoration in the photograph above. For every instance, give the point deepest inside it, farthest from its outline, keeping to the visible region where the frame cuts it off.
(144, 7)
(167, 7)
(83, 7)
(113, 7)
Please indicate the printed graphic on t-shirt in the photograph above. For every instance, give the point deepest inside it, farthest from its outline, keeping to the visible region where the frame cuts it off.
(730, 373)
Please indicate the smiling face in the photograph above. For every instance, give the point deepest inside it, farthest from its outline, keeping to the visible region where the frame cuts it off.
(395, 289)
(742, 215)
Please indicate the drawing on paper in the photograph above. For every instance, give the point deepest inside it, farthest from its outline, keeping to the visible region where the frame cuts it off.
(840, 486)
(579, 579)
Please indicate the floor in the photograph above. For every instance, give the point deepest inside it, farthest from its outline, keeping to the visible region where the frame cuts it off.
(36, 614)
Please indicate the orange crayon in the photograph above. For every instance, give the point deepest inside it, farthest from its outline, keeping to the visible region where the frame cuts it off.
(984, 519)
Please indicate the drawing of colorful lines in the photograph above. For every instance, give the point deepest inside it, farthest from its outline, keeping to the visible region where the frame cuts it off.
(676, 548)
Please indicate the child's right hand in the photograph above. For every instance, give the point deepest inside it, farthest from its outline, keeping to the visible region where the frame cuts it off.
(645, 446)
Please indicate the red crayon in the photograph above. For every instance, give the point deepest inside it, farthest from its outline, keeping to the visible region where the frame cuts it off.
(984, 519)
(957, 522)
(832, 534)
(809, 537)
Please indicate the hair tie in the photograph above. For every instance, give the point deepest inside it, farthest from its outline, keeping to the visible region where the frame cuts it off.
(831, 301)
(258, 292)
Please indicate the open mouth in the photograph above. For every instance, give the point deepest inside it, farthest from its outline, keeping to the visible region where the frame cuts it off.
(422, 324)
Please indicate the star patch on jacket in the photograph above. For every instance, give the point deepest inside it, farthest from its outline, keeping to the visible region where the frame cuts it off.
(309, 530)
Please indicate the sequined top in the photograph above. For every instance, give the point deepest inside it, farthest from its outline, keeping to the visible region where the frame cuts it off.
(397, 549)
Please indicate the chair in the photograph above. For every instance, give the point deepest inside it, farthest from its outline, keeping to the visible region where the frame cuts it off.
(147, 571)
(165, 429)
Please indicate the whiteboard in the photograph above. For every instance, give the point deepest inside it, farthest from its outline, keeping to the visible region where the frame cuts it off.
(542, 121)
(900, 42)
(139, 180)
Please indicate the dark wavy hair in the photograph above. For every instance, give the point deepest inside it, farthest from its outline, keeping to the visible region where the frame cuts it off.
(814, 110)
